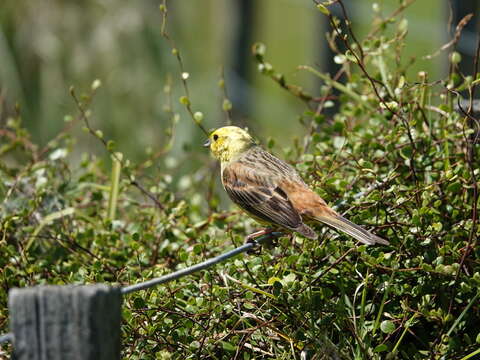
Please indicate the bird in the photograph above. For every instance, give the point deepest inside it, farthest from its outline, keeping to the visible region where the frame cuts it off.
(271, 191)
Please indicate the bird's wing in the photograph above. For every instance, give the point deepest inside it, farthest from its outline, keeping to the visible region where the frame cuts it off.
(259, 193)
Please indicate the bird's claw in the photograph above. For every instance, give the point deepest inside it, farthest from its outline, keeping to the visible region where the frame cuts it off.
(251, 238)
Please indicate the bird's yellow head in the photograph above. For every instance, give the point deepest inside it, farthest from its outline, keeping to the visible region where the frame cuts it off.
(228, 142)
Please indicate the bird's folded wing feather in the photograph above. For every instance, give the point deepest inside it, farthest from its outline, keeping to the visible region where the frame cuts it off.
(259, 194)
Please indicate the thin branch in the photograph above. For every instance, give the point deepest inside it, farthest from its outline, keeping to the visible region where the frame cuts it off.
(456, 37)
(338, 261)
(185, 100)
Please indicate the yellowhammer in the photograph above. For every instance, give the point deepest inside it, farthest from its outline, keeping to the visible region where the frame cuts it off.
(271, 191)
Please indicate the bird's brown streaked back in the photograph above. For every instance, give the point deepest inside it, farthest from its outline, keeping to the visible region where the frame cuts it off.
(259, 193)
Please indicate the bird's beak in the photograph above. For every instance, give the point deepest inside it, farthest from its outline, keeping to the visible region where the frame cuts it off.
(207, 143)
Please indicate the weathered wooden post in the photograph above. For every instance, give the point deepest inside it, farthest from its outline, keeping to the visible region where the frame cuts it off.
(66, 322)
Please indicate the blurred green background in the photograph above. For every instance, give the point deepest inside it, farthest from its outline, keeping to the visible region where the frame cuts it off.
(48, 46)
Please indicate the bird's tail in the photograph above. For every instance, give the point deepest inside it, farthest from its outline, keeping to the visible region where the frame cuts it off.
(340, 223)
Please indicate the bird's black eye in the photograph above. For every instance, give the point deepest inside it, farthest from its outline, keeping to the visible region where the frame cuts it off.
(215, 137)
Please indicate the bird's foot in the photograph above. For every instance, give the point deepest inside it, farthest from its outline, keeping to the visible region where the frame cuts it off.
(251, 239)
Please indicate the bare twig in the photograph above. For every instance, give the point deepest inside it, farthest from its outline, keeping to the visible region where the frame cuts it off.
(456, 37)
(183, 74)
(335, 263)
(226, 103)
(393, 15)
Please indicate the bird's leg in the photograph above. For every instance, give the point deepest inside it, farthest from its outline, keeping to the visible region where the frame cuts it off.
(251, 237)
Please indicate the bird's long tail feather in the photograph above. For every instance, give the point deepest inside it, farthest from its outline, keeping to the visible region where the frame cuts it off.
(340, 223)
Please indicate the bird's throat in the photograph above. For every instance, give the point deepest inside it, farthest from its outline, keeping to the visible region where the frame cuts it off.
(234, 151)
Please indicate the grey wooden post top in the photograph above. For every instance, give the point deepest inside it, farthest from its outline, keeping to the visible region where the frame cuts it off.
(66, 322)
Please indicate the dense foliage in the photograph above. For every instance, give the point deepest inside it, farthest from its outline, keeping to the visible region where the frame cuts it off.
(398, 157)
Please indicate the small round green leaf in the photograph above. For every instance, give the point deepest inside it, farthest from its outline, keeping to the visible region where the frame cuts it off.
(387, 326)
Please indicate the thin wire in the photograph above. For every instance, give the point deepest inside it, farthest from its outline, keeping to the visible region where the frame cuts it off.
(201, 266)
(8, 337)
